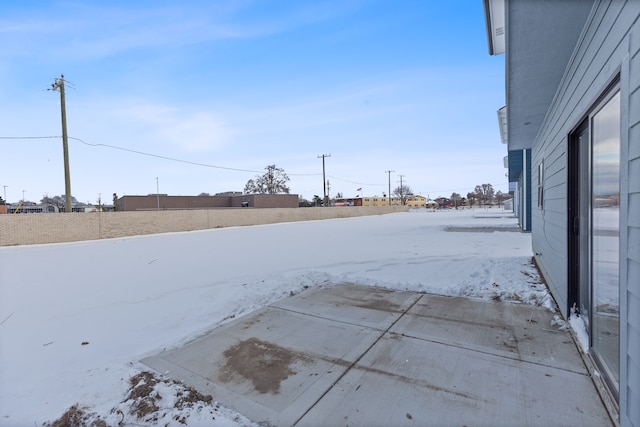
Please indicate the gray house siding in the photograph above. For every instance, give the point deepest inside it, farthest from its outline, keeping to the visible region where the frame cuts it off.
(520, 173)
(631, 239)
(609, 46)
(549, 236)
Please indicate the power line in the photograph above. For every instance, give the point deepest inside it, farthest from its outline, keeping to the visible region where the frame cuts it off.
(355, 182)
(29, 137)
(115, 147)
(143, 153)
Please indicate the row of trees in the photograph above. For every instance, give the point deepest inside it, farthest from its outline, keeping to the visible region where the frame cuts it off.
(483, 195)
(58, 201)
(275, 180)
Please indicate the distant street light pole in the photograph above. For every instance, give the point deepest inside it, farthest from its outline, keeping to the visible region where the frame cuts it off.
(5, 193)
(59, 85)
(158, 192)
(23, 195)
(389, 195)
(401, 190)
(324, 181)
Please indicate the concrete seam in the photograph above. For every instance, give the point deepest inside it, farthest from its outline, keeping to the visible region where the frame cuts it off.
(355, 362)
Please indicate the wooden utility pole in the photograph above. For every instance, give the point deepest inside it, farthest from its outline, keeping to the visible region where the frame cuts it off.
(59, 86)
(389, 195)
(324, 181)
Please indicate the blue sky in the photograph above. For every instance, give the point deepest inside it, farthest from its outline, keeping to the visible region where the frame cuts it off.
(228, 87)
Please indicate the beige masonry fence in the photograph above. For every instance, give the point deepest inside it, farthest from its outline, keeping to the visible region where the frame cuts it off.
(29, 229)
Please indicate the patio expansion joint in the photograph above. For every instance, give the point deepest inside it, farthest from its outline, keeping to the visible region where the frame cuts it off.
(357, 360)
(489, 353)
(332, 319)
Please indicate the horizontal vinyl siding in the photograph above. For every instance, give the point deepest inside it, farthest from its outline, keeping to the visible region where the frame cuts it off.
(611, 33)
(633, 235)
(595, 62)
(549, 240)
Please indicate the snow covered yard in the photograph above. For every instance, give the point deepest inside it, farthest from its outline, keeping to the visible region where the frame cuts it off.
(76, 318)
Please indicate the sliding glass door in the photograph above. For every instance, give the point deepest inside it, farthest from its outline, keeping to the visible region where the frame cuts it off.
(605, 237)
(593, 202)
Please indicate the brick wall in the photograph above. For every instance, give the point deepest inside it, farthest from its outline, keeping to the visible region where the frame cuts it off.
(26, 229)
(165, 202)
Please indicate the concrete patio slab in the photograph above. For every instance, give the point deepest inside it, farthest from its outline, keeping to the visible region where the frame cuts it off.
(269, 366)
(516, 331)
(360, 305)
(411, 382)
(364, 356)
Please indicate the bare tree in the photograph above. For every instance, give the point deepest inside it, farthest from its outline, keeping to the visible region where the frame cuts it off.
(60, 202)
(501, 197)
(304, 203)
(403, 192)
(484, 193)
(472, 198)
(455, 198)
(274, 181)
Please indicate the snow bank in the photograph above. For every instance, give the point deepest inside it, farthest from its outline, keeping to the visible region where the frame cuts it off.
(76, 317)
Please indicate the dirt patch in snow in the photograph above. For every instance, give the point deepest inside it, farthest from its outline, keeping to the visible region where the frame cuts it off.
(77, 417)
(144, 403)
(263, 363)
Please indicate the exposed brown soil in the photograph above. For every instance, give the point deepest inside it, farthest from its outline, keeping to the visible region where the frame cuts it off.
(76, 417)
(143, 396)
(263, 363)
(142, 400)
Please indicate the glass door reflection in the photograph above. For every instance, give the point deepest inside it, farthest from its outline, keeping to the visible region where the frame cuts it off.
(605, 238)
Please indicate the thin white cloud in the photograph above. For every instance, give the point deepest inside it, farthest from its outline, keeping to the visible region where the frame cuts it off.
(81, 31)
(188, 131)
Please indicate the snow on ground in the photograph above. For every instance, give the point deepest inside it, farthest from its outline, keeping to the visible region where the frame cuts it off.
(76, 318)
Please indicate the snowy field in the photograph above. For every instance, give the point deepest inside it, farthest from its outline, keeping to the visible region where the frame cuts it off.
(76, 318)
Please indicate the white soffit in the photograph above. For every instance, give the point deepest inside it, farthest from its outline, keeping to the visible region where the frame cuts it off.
(502, 122)
(495, 22)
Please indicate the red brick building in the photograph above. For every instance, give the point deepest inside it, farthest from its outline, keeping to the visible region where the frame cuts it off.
(166, 202)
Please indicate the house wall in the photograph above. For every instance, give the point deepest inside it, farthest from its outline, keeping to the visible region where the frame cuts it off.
(631, 239)
(520, 173)
(57, 228)
(610, 44)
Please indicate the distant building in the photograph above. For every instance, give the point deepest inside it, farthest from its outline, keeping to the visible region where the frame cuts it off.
(33, 208)
(152, 202)
(413, 201)
(416, 201)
